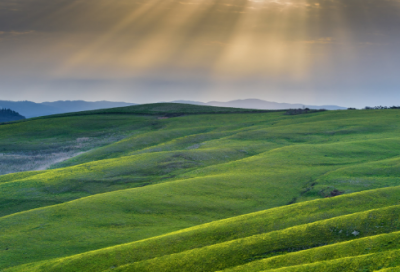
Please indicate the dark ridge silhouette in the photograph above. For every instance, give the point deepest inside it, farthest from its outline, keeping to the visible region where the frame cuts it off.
(382, 108)
(302, 111)
(8, 115)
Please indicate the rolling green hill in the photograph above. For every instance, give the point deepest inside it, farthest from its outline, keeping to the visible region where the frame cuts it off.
(173, 187)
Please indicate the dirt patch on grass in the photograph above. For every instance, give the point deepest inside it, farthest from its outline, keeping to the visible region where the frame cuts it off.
(335, 193)
(19, 162)
(13, 162)
(56, 158)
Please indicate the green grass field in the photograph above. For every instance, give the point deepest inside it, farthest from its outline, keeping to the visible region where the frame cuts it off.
(172, 187)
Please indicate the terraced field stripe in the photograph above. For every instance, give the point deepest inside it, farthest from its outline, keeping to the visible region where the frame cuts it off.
(240, 251)
(352, 248)
(368, 262)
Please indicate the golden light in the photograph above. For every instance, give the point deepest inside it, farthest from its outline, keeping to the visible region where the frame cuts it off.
(221, 38)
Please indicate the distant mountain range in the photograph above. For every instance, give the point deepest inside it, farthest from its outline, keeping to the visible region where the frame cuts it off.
(259, 104)
(31, 109)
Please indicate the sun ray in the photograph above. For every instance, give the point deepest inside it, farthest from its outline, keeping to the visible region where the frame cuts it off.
(228, 40)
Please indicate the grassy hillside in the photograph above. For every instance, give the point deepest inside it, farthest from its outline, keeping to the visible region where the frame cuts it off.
(39, 143)
(156, 186)
(278, 222)
(162, 110)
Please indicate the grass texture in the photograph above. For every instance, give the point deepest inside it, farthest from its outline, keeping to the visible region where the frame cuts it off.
(171, 187)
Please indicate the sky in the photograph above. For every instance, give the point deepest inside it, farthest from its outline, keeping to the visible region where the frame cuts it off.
(343, 52)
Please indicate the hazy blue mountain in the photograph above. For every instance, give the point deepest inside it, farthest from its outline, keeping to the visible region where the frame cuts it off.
(7, 115)
(31, 109)
(259, 104)
(28, 108)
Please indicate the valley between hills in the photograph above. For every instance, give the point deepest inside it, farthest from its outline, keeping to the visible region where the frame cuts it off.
(176, 187)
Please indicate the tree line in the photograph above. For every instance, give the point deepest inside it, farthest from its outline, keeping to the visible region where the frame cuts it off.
(8, 112)
(378, 108)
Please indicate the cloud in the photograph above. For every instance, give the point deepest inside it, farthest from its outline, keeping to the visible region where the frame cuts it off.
(16, 33)
(326, 40)
(11, 35)
(216, 43)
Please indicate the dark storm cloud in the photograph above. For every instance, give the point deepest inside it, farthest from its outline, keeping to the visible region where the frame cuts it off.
(365, 16)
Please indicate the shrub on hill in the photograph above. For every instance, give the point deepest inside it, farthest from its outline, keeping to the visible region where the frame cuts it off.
(8, 115)
(302, 111)
(382, 108)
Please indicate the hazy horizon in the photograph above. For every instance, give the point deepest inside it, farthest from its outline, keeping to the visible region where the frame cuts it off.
(172, 101)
